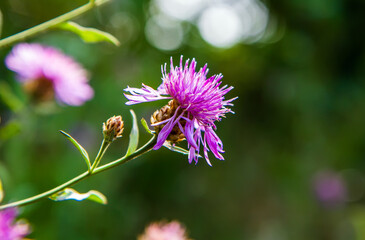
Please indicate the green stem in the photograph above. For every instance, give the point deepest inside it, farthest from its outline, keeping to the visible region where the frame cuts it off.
(51, 23)
(45, 194)
(146, 148)
(104, 146)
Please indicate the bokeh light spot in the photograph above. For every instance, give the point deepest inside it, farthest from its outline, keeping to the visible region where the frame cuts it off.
(181, 9)
(164, 33)
(220, 26)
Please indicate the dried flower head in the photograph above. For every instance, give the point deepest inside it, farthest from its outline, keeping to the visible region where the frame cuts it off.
(45, 73)
(113, 128)
(9, 229)
(197, 102)
(164, 231)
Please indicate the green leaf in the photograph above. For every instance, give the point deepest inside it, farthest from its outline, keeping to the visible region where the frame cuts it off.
(133, 136)
(72, 194)
(1, 191)
(90, 35)
(83, 152)
(145, 125)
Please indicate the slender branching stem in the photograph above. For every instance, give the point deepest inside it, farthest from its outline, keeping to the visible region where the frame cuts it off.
(144, 149)
(21, 36)
(104, 146)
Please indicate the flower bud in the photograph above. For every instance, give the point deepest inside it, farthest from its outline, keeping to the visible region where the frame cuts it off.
(113, 128)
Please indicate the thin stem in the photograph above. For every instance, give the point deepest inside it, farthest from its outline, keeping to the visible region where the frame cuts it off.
(47, 193)
(51, 23)
(146, 148)
(104, 146)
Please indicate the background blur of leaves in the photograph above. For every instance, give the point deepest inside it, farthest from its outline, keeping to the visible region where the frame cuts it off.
(301, 111)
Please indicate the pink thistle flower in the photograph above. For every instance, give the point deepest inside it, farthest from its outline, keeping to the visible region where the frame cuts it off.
(10, 230)
(164, 231)
(46, 71)
(197, 102)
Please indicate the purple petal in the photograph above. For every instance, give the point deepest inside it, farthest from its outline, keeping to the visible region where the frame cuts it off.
(144, 94)
(214, 143)
(166, 130)
(189, 133)
(192, 155)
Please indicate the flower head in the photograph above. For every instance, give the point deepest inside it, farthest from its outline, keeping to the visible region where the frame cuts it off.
(164, 231)
(197, 102)
(329, 188)
(46, 73)
(10, 230)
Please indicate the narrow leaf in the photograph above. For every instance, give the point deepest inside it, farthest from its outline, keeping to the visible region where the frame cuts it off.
(72, 194)
(89, 34)
(145, 125)
(1, 191)
(83, 152)
(133, 136)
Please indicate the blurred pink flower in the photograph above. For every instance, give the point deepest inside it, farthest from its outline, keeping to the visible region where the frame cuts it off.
(164, 231)
(10, 230)
(329, 188)
(46, 72)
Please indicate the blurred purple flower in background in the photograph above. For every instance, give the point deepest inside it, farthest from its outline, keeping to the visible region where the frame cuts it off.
(164, 231)
(197, 102)
(330, 188)
(9, 229)
(46, 73)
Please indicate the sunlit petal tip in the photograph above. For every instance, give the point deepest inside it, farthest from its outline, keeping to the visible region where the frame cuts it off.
(209, 163)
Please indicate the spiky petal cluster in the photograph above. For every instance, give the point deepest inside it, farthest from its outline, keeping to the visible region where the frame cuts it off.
(9, 229)
(47, 70)
(200, 103)
(164, 231)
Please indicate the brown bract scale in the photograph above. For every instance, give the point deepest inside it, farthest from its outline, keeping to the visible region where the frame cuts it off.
(167, 112)
(113, 128)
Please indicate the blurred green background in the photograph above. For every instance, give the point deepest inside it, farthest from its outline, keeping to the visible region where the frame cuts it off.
(295, 147)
